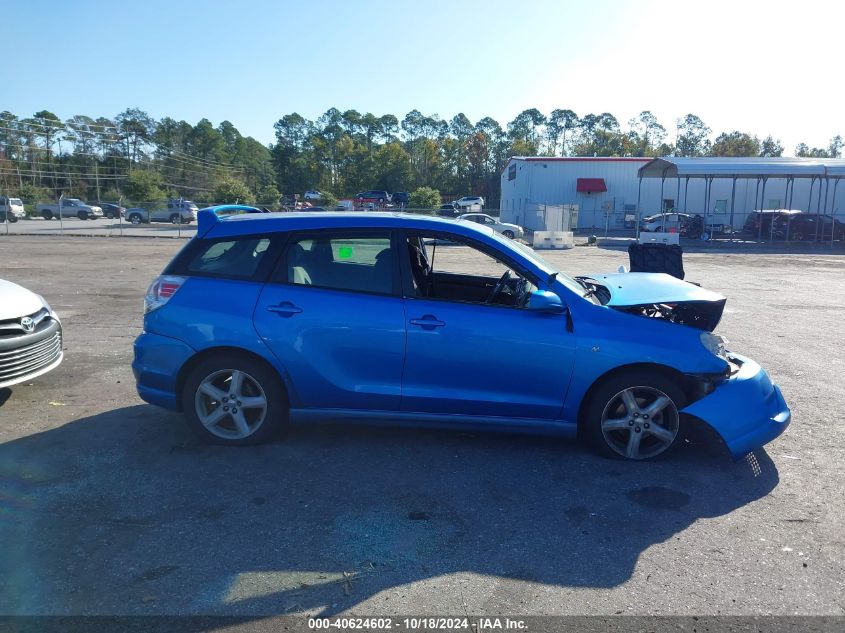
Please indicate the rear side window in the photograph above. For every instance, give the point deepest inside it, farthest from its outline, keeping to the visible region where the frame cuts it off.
(236, 258)
(356, 263)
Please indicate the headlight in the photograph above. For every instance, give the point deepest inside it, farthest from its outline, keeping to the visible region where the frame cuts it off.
(714, 344)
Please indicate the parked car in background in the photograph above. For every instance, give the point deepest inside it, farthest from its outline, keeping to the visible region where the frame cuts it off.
(375, 196)
(473, 203)
(508, 230)
(11, 209)
(448, 210)
(312, 195)
(808, 227)
(353, 317)
(112, 211)
(313, 208)
(70, 208)
(668, 222)
(30, 335)
(345, 205)
(176, 212)
(766, 223)
(400, 198)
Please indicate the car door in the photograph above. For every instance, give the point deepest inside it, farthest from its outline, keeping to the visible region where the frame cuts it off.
(472, 358)
(333, 315)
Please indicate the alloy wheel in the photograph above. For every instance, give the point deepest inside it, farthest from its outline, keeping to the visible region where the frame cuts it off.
(640, 422)
(231, 404)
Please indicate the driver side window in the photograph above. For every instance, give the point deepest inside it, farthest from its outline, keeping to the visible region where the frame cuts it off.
(446, 270)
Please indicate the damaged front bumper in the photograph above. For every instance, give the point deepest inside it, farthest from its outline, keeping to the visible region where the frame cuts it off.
(746, 409)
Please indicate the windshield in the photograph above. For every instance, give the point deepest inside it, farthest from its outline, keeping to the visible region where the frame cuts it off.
(15, 201)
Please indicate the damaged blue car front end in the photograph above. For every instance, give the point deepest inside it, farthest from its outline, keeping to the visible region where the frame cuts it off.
(730, 393)
(746, 409)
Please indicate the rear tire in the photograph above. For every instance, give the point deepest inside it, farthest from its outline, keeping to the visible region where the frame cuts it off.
(13, 219)
(234, 400)
(82, 215)
(634, 416)
(175, 219)
(47, 215)
(135, 218)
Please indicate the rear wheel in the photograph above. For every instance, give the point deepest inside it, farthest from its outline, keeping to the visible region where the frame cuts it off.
(175, 219)
(234, 401)
(13, 219)
(135, 218)
(82, 215)
(634, 416)
(47, 215)
(109, 215)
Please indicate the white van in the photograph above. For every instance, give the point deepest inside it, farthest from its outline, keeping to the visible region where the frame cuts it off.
(11, 208)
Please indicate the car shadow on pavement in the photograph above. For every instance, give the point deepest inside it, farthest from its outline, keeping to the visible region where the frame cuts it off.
(126, 513)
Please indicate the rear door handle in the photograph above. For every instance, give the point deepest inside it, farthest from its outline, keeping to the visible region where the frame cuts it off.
(285, 309)
(428, 322)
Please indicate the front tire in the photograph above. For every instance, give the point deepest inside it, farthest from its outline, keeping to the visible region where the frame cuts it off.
(175, 219)
(47, 215)
(234, 401)
(508, 234)
(634, 416)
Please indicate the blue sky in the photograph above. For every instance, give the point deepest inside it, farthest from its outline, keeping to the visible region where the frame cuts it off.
(747, 65)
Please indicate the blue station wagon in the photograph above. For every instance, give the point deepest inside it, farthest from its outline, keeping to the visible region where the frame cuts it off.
(265, 319)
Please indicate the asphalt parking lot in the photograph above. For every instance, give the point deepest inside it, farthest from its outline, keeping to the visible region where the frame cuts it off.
(110, 506)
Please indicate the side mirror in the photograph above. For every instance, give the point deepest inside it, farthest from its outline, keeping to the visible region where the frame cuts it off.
(545, 301)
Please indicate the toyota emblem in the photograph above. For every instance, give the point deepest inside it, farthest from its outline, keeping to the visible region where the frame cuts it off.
(27, 324)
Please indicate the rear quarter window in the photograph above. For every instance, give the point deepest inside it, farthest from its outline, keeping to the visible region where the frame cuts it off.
(238, 258)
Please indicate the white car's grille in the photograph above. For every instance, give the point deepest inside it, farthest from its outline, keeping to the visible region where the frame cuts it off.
(28, 359)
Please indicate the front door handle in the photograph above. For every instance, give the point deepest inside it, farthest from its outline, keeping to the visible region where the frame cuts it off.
(428, 322)
(285, 309)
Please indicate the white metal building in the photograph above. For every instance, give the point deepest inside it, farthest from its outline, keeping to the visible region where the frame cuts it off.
(609, 191)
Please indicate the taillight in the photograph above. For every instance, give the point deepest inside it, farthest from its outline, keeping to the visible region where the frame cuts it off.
(161, 290)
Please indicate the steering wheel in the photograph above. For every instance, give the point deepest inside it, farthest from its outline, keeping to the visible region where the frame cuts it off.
(498, 287)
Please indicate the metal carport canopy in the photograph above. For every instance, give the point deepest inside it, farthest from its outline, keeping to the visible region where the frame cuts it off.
(719, 167)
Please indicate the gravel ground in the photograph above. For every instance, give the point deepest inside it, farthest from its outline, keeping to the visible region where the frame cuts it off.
(110, 506)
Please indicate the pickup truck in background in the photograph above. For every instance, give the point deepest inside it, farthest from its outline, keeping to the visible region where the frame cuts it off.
(11, 209)
(176, 212)
(70, 208)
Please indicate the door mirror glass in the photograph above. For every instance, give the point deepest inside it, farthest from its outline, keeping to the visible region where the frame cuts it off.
(545, 301)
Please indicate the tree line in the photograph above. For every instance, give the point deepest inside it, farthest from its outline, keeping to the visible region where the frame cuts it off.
(135, 157)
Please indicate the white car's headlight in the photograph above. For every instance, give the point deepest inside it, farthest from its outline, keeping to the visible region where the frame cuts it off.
(714, 344)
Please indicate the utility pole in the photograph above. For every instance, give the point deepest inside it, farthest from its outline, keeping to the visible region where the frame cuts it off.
(97, 176)
(61, 222)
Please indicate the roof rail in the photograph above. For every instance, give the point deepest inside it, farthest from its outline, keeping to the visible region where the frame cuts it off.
(207, 218)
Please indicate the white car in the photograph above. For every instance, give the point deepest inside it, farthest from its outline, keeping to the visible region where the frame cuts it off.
(312, 195)
(474, 203)
(30, 335)
(508, 230)
(11, 209)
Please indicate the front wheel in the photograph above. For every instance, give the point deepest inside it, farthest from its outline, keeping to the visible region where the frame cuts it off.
(234, 401)
(47, 215)
(508, 234)
(634, 416)
(175, 219)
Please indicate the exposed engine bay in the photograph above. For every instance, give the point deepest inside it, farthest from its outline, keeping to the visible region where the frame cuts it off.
(700, 315)
(657, 296)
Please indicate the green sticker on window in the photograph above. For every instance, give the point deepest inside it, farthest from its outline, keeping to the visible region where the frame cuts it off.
(344, 252)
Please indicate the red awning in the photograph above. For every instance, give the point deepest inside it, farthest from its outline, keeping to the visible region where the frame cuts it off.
(591, 185)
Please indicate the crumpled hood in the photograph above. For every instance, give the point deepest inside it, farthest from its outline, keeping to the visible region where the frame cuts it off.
(16, 301)
(629, 289)
(662, 296)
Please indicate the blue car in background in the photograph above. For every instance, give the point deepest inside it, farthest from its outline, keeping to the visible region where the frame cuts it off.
(266, 319)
